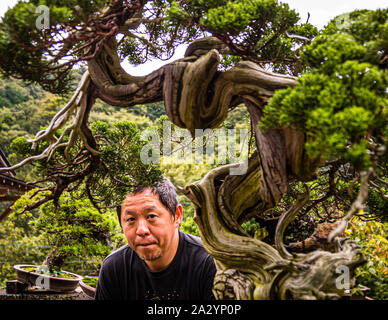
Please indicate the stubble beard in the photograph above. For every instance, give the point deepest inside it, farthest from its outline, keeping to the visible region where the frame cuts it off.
(151, 256)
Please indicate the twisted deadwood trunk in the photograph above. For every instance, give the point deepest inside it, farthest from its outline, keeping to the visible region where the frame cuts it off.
(197, 96)
(251, 269)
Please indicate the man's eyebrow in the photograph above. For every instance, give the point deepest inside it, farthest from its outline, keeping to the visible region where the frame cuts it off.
(128, 212)
(145, 210)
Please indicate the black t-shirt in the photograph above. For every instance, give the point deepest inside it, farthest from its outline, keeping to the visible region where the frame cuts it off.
(190, 275)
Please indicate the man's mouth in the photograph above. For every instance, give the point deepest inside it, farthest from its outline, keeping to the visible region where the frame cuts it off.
(145, 244)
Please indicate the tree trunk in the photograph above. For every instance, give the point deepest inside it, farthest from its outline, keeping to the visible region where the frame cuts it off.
(251, 269)
(197, 96)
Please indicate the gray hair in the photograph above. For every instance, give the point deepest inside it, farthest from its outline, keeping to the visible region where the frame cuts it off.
(166, 192)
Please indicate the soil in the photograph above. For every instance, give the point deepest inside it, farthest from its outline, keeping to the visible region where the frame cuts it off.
(59, 274)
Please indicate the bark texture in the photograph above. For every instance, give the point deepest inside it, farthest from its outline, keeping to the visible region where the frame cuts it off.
(197, 95)
(251, 269)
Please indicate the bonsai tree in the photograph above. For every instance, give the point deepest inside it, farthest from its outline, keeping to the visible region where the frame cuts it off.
(317, 105)
(74, 228)
(74, 224)
(113, 172)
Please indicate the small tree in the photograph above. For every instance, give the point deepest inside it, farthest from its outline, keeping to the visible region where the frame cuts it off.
(73, 222)
(74, 228)
(113, 171)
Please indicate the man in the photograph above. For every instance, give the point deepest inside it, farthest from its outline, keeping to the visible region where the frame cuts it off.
(160, 261)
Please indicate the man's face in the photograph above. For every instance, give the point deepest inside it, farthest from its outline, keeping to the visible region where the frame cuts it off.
(149, 227)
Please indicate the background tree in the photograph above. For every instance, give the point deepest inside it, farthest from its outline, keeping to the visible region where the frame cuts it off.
(330, 122)
(74, 229)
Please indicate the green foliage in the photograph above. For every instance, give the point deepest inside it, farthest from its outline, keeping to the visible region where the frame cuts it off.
(254, 29)
(377, 204)
(132, 49)
(188, 207)
(24, 109)
(143, 115)
(154, 111)
(182, 166)
(24, 47)
(235, 16)
(341, 104)
(120, 167)
(372, 237)
(157, 37)
(90, 281)
(18, 246)
(120, 148)
(251, 226)
(189, 226)
(76, 238)
(11, 95)
(75, 228)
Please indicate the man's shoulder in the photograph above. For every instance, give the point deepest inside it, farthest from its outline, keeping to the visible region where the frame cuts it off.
(201, 264)
(117, 255)
(194, 246)
(192, 240)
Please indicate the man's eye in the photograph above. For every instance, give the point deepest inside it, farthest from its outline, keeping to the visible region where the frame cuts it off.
(151, 216)
(130, 219)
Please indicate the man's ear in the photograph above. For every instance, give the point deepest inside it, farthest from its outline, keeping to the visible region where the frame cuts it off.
(118, 211)
(178, 215)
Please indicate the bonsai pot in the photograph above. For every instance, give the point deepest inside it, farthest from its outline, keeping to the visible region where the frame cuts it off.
(48, 282)
(87, 289)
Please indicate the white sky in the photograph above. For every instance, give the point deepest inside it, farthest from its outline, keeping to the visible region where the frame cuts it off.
(321, 12)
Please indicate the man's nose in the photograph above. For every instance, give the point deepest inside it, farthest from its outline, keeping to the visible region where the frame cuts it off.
(142, 228)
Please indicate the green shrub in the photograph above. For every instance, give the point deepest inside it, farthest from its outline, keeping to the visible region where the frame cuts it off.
(372, 237)
(189, 226)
